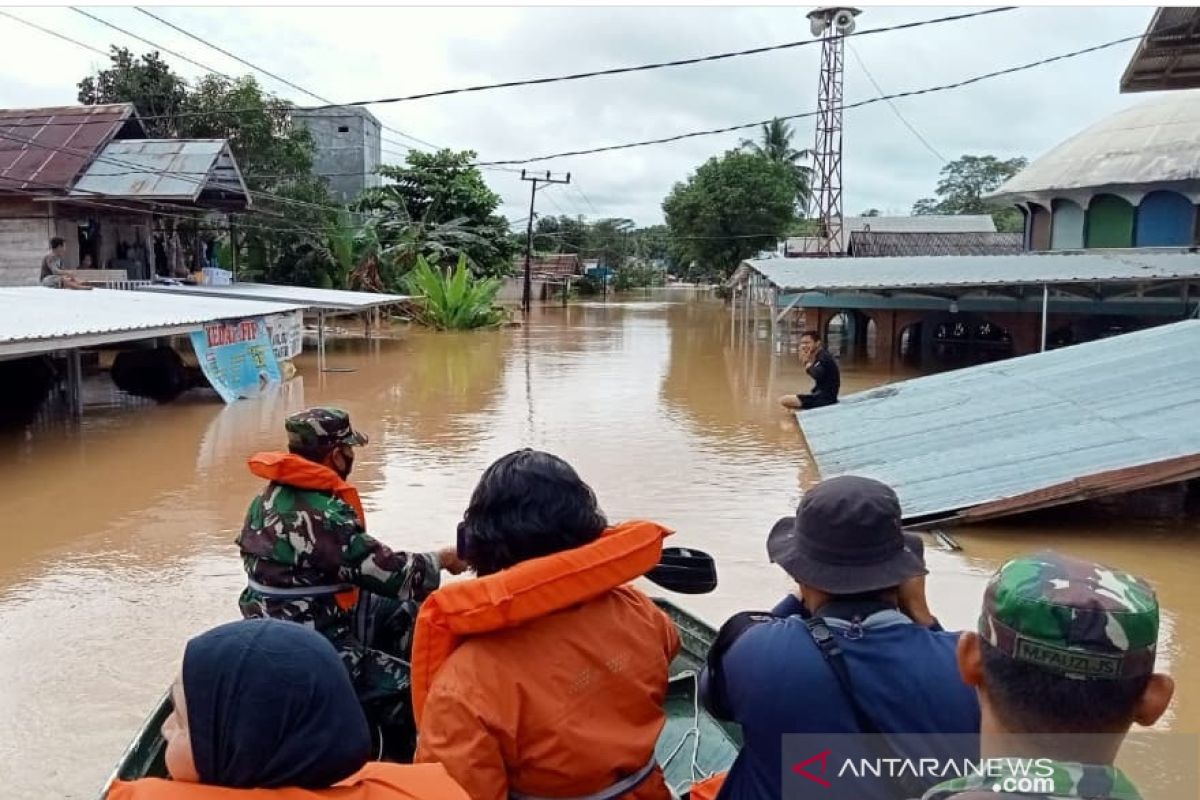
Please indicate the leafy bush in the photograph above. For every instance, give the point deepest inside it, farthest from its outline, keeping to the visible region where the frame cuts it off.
(454, 300)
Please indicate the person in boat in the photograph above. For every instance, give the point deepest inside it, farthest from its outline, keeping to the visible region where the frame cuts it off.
(1065, 646)
(854, 651)
(267, 705)
(545, 675)
(822, 367)
(309, 559)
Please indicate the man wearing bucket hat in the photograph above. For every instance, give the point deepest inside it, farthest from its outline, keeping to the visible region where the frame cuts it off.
(1065, 647)
(309, 559)
(868, 659)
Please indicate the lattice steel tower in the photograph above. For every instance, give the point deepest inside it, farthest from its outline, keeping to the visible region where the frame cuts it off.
(832, 24)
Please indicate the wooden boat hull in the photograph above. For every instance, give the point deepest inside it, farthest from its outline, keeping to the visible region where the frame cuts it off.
(693, 745)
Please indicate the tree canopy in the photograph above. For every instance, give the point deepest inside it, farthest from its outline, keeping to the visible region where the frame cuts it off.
(732, 207)
(963, 183)
(440, 194)
(775, 144)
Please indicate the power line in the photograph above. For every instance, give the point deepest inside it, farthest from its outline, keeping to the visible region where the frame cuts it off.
(895, 109)
(620, 70)
(859, 104)
(586, 199)
(108, 24)
(664, 64)
(269, 74)
(55, 34)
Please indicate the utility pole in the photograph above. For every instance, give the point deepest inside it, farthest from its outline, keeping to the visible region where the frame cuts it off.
(548, 180)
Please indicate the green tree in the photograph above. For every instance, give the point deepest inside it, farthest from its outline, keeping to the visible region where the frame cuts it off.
(733, 206)
(963, 184)
(444, 189)
(454, 299)
(146, 81)
(775, 144)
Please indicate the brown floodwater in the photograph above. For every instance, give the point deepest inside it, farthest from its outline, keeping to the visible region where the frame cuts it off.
(118, 536)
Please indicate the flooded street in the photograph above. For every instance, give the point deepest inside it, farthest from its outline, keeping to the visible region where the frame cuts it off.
(118, 535)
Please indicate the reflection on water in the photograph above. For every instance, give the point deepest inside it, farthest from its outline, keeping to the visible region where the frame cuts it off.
(119, 537)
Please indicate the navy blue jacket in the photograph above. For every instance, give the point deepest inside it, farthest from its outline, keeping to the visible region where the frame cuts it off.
(773, 680)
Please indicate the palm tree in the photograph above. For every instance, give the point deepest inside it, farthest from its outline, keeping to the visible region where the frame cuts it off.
(776, 145)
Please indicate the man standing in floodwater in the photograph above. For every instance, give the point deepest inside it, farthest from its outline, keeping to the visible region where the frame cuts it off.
(309, 559)
(821, 366)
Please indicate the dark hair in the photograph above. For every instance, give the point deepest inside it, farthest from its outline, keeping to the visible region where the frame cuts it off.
(816, 337)
(57, 241)
(527, 504)
(1029, 699)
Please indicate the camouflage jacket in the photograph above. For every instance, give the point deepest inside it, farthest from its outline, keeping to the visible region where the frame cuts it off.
(295, 537)
(1066, 781)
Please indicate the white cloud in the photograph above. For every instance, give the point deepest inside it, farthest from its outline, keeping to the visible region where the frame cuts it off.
(355, 53)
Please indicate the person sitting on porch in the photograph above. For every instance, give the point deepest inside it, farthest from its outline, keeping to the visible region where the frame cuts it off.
(822, 368)
(53, 275)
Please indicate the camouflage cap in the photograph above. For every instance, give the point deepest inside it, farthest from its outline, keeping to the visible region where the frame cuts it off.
(1070, 616)
(321, 427)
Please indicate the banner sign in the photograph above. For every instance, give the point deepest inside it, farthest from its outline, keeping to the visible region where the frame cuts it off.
(237, 357)
(287, 334)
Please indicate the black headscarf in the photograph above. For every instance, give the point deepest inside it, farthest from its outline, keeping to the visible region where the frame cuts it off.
(270, 704)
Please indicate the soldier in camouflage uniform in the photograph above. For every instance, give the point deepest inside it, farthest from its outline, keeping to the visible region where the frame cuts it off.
(1063, 661)
(309, 559)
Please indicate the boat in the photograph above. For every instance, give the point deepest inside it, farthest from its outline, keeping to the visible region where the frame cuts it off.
(693, 744)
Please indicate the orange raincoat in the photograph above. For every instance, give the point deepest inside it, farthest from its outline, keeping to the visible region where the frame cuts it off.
(547, 679)
(375, 781)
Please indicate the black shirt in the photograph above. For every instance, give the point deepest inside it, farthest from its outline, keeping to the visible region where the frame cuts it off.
(827, 378)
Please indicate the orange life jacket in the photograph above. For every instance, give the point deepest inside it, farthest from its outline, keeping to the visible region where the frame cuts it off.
(525, 592)
(375, 781)
(300, 473)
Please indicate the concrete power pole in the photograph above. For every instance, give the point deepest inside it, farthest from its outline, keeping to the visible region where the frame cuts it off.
(832, 24)
(526, 298)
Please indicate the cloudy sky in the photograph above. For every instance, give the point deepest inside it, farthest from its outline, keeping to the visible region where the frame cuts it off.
(361, 53)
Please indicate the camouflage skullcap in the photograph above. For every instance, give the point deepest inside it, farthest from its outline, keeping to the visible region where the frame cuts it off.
(321, 427)
(1070, 616)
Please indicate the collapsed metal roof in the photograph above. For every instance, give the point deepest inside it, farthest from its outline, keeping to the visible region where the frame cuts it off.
(1054, 269)
(1153, 145)
(326, 299)
(1168, 56)
(164, 169)
(1011, 436)
(46, 148)
(35, 320)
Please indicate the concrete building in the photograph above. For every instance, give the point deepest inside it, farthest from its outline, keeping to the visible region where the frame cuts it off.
(346, 148)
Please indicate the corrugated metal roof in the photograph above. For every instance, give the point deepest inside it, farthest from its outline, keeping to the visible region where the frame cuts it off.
(328, 299)
(924, 223)
(161, 169)
(1138, 149)
(874, 244)
(849, 274)
(1168, 56)
(1028, 432)
(34, 319)
(28, 137)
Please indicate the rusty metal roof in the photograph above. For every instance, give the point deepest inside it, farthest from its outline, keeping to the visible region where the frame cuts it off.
(1168, 57)
(47, 148)
(162, 169)
(910, 243)
(1011, 436)
(1153, 145)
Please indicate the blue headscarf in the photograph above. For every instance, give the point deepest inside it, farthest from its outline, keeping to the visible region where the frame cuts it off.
(270, 704)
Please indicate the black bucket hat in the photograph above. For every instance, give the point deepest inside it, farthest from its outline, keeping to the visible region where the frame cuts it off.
(846, 538)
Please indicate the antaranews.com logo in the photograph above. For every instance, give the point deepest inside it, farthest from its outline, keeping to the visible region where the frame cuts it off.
(1010, 775)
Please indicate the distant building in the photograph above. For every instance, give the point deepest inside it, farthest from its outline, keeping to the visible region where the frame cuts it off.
(929, 234)
(557, 265)
(86, 174)
(346, 148)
